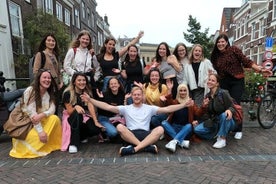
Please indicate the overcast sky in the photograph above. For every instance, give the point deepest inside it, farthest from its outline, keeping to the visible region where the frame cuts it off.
(161, 20)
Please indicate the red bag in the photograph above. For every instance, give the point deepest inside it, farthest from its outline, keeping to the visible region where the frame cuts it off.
(238, 116)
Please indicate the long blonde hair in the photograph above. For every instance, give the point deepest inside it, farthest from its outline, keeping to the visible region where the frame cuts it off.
(178, 98)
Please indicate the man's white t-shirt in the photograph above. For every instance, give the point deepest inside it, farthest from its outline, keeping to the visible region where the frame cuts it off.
(138, 117)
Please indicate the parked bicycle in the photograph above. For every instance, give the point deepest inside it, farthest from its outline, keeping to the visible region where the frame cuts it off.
(266, 111)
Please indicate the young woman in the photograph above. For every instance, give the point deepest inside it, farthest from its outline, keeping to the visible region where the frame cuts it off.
(82, 117)
(218, 118)
(196, 74)
(79, 57)
(181, 53)
(38, 104)
(109, 58)
(229, 62)
(132, 68)
(179, 123)
(169, 66)
(50, 49)
(114, 95)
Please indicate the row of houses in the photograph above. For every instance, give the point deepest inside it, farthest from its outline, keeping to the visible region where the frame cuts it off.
(75, 15)
(251, 27)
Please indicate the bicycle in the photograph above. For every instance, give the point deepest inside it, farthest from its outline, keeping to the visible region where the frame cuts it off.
(266, 112)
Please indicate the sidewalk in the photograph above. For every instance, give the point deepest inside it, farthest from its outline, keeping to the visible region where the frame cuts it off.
(249, 160)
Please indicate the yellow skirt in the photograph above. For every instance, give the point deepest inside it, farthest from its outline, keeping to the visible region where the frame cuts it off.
(31, 147)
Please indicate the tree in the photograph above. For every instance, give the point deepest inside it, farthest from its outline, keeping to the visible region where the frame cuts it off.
(194, 36)
(35, 27)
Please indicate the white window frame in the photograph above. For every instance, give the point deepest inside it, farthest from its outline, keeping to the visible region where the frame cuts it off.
(274, 9)
(253, 30)
(59, 11)
(16, 20)
(48, 6)
(67, 17)
(83, 10)
(77, 18)
(88, 17)
(92, 20)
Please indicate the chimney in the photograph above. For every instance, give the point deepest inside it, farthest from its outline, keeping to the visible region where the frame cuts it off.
(106, 20)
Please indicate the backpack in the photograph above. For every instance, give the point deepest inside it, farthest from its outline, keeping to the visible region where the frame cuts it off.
(238, 115)
(31, 64)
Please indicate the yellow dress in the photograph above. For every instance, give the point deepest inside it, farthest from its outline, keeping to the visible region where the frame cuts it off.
(32, 147)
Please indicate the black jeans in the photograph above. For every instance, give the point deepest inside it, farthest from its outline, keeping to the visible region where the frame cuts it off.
(236, 90)
(80, 130)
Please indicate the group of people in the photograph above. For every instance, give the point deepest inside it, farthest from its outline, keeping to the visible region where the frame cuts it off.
(179, 96)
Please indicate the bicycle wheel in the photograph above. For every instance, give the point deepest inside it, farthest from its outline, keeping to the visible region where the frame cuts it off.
(266, 111)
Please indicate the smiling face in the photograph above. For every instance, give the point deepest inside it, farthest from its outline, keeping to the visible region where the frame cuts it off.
(114, 85)
(50, 42)
(221, 44)
(154, 77)
(197, 53)
(132, 52)
(183, 92)
(137, 95)
(181, 52)
(162, 51)
(80, 83)
(212, 82)
(45, 80)
(110, 46)
(84, 41)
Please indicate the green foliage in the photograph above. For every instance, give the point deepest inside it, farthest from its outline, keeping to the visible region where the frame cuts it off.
(38, 24)
(195, 36)
(254, 85)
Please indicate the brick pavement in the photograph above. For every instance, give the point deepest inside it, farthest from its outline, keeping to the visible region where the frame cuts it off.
(250, 160)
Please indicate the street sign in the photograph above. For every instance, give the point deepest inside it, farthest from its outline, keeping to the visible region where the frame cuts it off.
(268, 55)
(268, 42)
(268, 64)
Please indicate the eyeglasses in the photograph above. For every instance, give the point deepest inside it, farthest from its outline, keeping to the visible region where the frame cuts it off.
(182, 50)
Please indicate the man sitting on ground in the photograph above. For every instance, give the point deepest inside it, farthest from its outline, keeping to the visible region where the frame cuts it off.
(137, 115)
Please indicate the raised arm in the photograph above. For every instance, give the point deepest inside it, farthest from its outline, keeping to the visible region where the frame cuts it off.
(102, 105)
(134, 41)
(173, 108)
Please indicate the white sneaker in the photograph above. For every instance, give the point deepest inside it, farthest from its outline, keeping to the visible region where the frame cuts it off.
(171, 146)
(221, 143)
(185, 144)
(162, 137)
(73, 149)
(84, 141)
(238, 135)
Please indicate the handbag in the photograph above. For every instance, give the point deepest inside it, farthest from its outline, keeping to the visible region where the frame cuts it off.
(19, 124)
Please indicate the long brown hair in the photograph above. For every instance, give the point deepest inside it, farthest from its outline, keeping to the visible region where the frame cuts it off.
(35, 93)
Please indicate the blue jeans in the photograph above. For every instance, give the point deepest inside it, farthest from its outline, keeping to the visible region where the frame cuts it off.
(223, 127)
(157, 119)
(176, 131)
(110, 129)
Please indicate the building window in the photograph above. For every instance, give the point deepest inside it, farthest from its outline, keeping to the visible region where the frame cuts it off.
(59, 11)
(16, 20)
(83, 9)
(262, 28)
(92, 20)
(67, 17)
(253, 30)
(88, 17)
(274, 8)
(77, 18)
(49, 6)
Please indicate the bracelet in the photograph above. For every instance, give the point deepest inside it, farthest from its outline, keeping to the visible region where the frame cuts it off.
(38, 127)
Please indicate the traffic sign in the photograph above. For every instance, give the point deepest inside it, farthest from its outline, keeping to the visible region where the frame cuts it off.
(269, 42)
(268, 55)
(268, 64)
